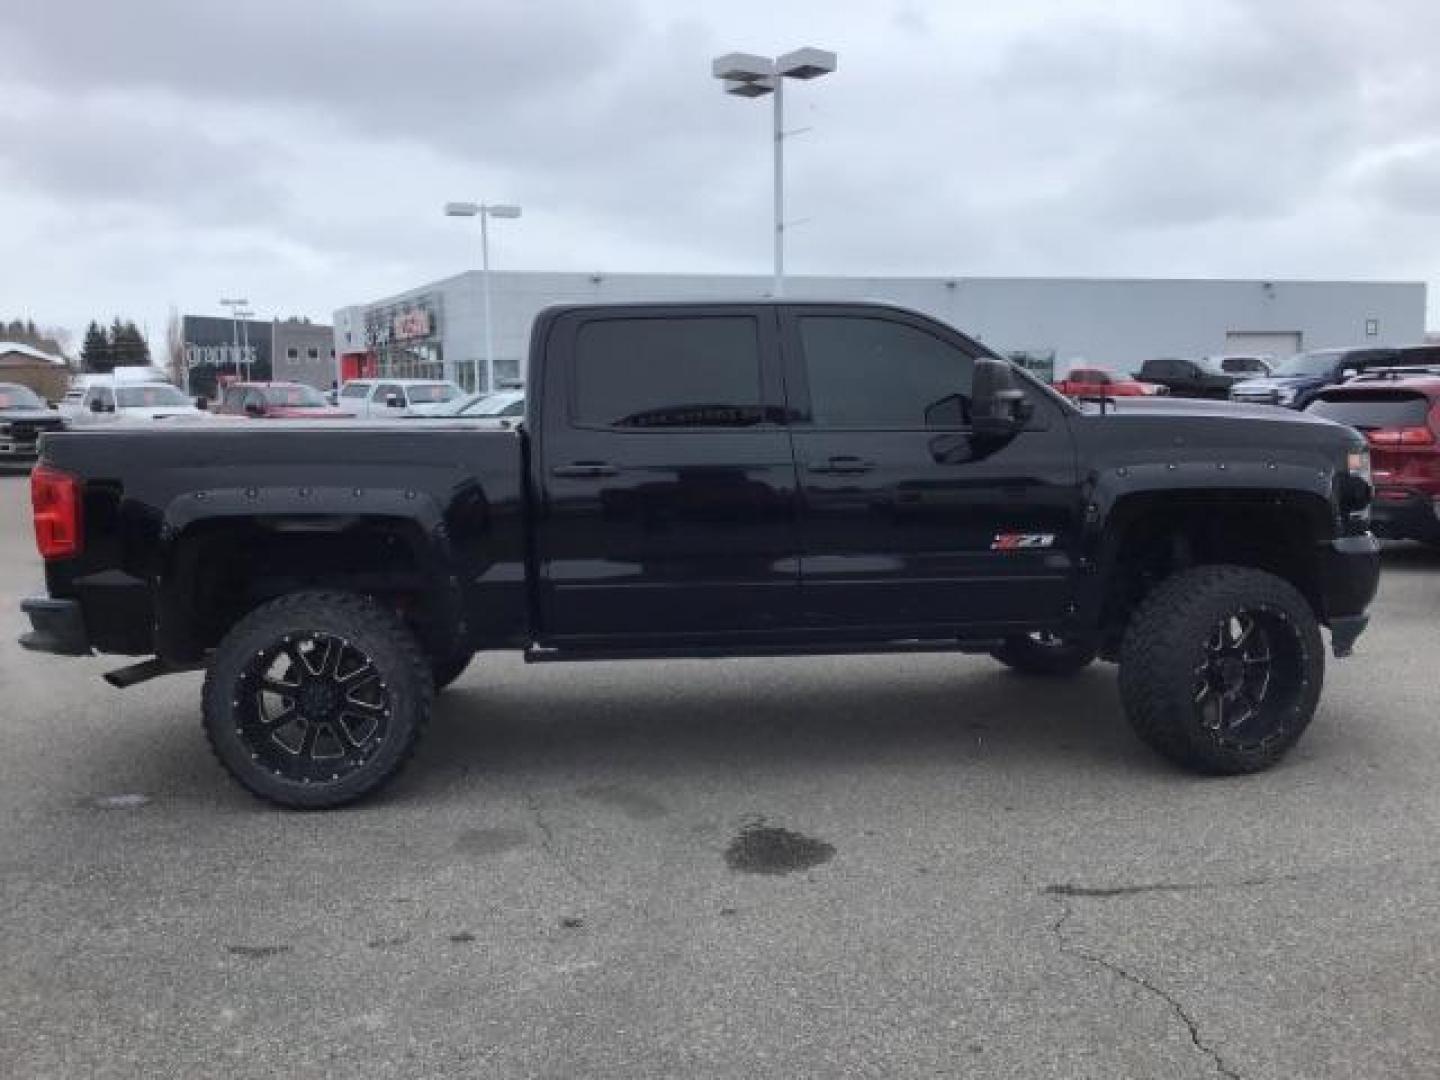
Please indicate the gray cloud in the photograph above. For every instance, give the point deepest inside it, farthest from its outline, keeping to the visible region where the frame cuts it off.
(309, 145)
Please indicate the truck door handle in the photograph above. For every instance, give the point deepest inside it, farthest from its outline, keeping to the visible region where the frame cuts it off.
(583, 469)
(842, 463)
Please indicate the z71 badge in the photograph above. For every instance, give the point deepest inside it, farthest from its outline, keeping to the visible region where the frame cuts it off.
(1016, 541)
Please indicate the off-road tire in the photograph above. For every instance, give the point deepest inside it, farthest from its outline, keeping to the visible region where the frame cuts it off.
(1024, 654)
(445, 671)
(369, 632)
(1170, 651)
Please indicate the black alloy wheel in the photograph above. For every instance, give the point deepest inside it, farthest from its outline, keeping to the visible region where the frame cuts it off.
(1221, 668)
(317, 699)
(313, 708)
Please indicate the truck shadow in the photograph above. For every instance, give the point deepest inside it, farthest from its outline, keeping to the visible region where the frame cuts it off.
(779, 718)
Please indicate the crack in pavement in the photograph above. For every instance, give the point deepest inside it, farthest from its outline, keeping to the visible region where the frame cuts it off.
(1101, 892)
(1067, 945)
(548, 845)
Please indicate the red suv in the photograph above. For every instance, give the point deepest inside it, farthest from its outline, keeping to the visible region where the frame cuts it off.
(276, 400)
(1398, 412)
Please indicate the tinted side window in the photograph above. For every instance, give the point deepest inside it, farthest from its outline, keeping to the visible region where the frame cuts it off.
(866, 372)
(668, 373)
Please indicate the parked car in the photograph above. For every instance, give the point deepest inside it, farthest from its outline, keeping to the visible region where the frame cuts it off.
(1398, 412)
(1206, 377)
(275, 401)
(1093, 382)
(122, 399)
(1295, 381)
(689, 483)
(504, 406)
(390, 398)
(24, 417)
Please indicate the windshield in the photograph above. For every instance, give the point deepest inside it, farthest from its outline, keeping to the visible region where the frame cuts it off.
(1307, 363)
(432, 393)
(491, 404)
(294, 397)
(150, 396)
(14, 396)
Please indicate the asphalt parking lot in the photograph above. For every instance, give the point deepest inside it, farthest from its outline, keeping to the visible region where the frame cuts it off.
(987, 877)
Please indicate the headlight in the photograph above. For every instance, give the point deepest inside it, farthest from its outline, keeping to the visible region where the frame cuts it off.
(1354, 486)
(1357, 463)
(1285, 395)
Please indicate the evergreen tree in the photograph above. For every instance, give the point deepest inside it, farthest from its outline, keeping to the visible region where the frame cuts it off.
(127, 345)
(96, 355)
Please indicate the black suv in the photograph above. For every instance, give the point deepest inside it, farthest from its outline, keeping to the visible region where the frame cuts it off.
(1202, 378)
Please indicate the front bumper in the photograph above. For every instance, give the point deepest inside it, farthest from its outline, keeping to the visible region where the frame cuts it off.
(58, 627)
(1350, 577)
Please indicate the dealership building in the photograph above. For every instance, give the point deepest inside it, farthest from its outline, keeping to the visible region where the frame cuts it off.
(219, 348)
(438, 330)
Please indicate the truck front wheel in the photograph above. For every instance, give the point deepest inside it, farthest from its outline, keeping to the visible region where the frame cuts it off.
(316, 699)
(1221, 669)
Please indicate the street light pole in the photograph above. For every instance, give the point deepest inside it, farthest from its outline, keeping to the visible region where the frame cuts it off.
(484, 212)
(485, 287)
(748, 75)
(235, 304)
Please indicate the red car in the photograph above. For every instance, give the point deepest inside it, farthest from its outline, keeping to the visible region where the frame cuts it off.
(276, 401)
(1093, 382)
(1399, 415)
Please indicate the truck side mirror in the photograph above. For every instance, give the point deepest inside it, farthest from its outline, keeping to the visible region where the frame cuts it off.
(254, 408)
(203, 404)
(392, 401)
(96, 405)
(998, 407)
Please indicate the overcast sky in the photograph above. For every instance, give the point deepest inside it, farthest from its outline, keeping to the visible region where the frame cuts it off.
(169, 152)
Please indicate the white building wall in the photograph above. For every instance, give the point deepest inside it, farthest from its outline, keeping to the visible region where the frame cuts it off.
(1117, 323)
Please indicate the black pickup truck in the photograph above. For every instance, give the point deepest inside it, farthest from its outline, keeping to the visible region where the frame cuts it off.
(713, 480)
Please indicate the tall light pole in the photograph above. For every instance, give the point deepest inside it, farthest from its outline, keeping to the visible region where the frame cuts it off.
(235, 305)
(748, 75)
(484, 212)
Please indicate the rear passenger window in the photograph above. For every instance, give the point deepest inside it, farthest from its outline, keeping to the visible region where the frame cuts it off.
(865, 372)
(668, 373)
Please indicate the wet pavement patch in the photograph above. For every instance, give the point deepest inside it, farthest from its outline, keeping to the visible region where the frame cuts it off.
(767, 849)
(635, 805)
(483, 842)
(257, 952)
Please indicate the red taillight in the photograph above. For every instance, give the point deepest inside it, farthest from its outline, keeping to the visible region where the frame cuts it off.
(56, 498)
(1405, 436)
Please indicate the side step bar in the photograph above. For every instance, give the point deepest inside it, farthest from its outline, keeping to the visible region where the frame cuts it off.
(126, 677)
(538, 654)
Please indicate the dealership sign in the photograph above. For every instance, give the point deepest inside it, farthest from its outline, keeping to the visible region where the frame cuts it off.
(219, 355)
(414, 321)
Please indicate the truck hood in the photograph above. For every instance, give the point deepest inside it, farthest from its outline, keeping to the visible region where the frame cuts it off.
(1164, 429)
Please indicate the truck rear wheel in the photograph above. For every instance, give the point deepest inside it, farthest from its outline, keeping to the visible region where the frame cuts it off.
(316, 699)
(1221, 669)
(1043, 653)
